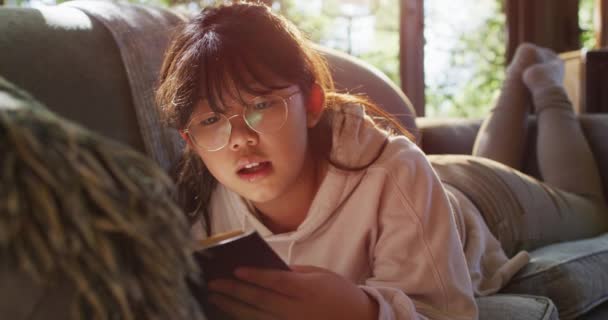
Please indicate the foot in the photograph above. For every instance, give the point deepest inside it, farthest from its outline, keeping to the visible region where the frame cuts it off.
(528, 54)
(544, 75)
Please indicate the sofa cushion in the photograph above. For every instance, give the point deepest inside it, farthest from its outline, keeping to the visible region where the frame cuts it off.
(572, 274)
(598, 313)
(520, 307)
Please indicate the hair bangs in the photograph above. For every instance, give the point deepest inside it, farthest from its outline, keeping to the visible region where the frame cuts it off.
(212, 72)
(226, 75)
(278, 50)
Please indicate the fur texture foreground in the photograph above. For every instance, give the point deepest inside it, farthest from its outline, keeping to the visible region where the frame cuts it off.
(77, 206)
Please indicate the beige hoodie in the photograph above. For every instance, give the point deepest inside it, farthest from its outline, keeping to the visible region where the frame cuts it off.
(388, 228)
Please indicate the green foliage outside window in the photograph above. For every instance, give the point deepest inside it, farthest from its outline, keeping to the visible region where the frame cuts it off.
(585, 21)
(384, 53)
(314, 26)
(481, 53)
(480, 56)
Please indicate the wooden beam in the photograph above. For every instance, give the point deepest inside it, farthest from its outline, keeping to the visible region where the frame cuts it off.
(601, 23)
(411, 53)
(548, 23)
(565, 31)
(516, 26)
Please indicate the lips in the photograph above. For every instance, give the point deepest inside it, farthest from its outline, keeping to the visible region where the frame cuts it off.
(255, 171)
(251, 168)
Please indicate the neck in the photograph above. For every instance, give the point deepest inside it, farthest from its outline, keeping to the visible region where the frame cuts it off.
(286, 213)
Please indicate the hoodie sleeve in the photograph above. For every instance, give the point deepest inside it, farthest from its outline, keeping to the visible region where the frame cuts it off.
(418, 265)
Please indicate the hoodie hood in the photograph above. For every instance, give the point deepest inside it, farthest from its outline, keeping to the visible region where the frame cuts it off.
(357, 141)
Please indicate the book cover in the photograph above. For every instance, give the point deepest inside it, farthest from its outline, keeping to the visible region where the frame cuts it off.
(220, 255)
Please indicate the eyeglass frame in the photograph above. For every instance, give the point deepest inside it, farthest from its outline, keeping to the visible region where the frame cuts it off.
(242, 114)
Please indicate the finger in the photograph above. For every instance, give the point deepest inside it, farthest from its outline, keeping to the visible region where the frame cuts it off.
(264, 299)
(308, 269)
(284, 282)
(238, 309)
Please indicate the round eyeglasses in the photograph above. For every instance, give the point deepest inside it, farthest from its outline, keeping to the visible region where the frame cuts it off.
(264, 114)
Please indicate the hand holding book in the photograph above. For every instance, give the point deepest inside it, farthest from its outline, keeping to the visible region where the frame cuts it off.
(248, 280)
(220, 255)
(307, 292)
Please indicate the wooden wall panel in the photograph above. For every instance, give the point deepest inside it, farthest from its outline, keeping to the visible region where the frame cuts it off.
(574, 78)
(596, 77)
(601, 23)
(549, 23)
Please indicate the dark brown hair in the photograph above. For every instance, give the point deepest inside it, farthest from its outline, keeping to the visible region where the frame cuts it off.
(221, 48)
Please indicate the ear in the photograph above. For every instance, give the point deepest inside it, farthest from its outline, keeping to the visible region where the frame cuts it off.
(316, 102)
(186, 138)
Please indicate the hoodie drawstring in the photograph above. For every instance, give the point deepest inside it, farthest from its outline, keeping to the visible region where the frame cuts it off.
(289, 251)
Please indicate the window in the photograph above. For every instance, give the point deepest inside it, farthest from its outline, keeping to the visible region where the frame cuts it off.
(463, 56)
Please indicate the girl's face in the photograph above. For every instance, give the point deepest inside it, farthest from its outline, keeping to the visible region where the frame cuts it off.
(261, 167)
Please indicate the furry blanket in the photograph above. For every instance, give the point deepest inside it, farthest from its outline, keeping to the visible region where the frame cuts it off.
(79, 207)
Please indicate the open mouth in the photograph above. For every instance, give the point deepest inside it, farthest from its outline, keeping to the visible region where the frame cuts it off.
(255, 170)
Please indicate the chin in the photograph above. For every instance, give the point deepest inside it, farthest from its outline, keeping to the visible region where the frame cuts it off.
(259, 197)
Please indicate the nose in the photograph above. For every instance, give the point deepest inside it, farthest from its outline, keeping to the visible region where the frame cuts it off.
(241, 134)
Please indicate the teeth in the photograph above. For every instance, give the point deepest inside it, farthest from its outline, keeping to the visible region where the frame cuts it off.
(251, 165)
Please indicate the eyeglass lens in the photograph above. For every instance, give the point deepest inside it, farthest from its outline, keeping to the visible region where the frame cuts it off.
(266, 114)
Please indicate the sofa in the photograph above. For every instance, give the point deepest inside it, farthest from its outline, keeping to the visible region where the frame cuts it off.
(74, 58)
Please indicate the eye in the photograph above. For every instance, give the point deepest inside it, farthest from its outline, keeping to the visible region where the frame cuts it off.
(261, 104)
(265, 103)
(208, 120)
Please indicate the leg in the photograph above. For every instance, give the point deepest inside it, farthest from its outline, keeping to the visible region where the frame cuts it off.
(564, 156)
(502, 136)
(520, 211)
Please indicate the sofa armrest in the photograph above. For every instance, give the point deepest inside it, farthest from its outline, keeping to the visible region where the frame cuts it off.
(70, 63)
(447, 135)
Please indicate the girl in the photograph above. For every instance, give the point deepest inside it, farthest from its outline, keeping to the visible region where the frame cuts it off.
(358, 213)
